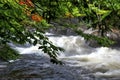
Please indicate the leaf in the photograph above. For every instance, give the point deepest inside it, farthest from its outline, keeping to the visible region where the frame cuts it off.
(1, 5)
(40, 47)
(35, 42)
(105, 15)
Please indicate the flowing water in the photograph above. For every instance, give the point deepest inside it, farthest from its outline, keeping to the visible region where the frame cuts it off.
(102, 61)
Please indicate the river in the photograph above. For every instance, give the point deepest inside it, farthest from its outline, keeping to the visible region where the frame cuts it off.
(101, 62)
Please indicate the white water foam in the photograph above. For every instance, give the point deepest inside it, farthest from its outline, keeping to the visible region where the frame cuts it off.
(102, 61)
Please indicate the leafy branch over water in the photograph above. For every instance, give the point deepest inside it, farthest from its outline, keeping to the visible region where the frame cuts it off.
(17, 27)
(24, 21)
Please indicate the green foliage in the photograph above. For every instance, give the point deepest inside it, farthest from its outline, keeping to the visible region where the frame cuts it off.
(6, 53)
(98, 14)
(17, 27)
(102, 14)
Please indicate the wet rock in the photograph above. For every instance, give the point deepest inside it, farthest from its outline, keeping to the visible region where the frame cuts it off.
(61, 27)
(114, 35)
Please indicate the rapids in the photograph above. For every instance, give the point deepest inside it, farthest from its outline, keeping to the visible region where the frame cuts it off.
(102, 61)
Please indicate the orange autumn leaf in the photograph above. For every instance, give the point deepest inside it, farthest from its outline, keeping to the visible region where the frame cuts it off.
(36, 17)
(29, 3)
(22, 2)
(26, 2)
